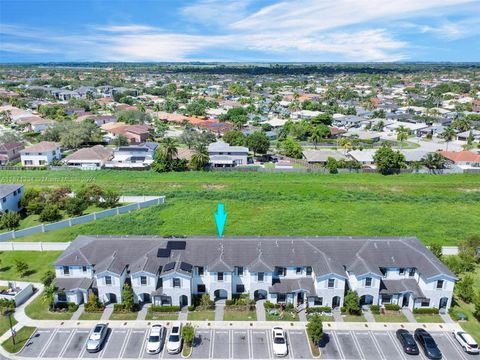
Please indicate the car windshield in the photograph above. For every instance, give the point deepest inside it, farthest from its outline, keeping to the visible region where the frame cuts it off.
(175, 329)
(408, 340)
(430, 342)
(154, 338)
(97, 329)
(279, 340)
(174, 338)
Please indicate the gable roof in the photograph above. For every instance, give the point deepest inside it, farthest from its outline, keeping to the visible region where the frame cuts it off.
(461, 156)
(42, 146)
(7, 189)
(97, 152)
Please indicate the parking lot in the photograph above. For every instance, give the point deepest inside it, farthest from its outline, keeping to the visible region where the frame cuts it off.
(129, 343)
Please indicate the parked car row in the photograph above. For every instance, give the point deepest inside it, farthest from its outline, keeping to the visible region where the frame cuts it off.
(428, 344)
(155, 342)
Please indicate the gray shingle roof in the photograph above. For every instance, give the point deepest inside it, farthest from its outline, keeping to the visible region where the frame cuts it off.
(400, 286)
(326, 255)
(290, 285)
(66, 284)
(7, 189)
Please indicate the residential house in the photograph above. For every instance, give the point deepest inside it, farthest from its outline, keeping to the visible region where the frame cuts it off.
(93, 158)
(10, 195)
(297, 270)
(463, 159)
(36, 123)
(463, 136)
(348, 121)
(41, 154)
(10, 152)
(222, 154)
(321, 156)
(133, 156)
(134, 133)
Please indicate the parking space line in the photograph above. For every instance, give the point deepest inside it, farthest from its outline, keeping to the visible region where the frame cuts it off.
(269, 345)
(164, 349)
(455, 345)
(230, 338)
(289, 343)
(377, 345)
(67, 342)
(84, 348)
(145, 340)
(125, 342)
(397, 345)
(250, 344)
(357, 344)
(47, 344)
(337, 342)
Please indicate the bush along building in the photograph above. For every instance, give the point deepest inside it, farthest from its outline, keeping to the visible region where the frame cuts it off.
(317, 271)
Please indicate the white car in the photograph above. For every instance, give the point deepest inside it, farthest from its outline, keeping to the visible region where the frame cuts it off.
(174, 343)
(279, 342)
(466, 341)
(155, 339)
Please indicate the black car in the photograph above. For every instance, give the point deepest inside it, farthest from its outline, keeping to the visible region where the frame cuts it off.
(408, 342)
(428, 345)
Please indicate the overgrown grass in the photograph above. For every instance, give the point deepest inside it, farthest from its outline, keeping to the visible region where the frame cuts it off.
(283, 203)
(38, 310)
(240, 315)
(21, 338)
(285, 316)
(201, 315)
(38, 262)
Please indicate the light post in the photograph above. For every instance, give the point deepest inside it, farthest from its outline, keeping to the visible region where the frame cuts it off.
(9, 314)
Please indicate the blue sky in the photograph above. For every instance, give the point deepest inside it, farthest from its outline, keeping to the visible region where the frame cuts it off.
(243, 31)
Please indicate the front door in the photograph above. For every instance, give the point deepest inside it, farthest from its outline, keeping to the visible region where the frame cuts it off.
(405, 300)
(443, 303)
(335, 302)
(300, 298)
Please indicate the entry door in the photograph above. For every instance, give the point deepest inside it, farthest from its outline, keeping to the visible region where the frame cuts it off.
(443, 303)
(405, 300)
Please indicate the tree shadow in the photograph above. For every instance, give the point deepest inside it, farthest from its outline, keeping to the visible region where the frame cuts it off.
(28, 273)
(6, 268)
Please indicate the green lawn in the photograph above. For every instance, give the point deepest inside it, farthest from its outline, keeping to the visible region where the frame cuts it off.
(20, 339)
(161, 316)
(201, 315)
(283, 203)
(323, 317)
(39, 262)
(391, 318)
(91, 315)
(240, 315)
(5, 323)
(124, 316)
(428, 318)
(39, 311)
(472, 325)
(285, 316)
(354, 318)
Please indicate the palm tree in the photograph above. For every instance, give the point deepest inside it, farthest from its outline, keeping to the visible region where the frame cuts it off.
(170, 150)
(317, 135)
(448, 135)
(48, 295)
(346, 144)
(433, 161)
(200, 157)
(402, 134)
(462, 124)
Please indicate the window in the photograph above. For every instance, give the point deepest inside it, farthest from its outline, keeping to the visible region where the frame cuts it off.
(260, 276)
(318, 301)
(4, 199)
(281, 297)
(425, 303)
(176, 282)
(298, 270)
(66, 270)
(331, 283)
(411, 272)
(240, 289)
(401, 271)
(61, 297)
(84, 269)
(439, 284)
(201, 288)
(239, 270)
(280, 271)
(143, 280)
(368, 282)
(220, 276)
(28, 162)
(108, 280)
(15, 193)
(200, 270)
(386, 299)
(308, 270)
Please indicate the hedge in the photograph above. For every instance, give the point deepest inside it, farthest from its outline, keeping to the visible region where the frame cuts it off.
(269, 305)
(319, 309)
(375, 309)
(425, 311)
(156, 308)
(393, 307)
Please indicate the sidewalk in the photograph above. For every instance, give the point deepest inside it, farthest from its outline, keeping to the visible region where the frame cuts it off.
(260, 308)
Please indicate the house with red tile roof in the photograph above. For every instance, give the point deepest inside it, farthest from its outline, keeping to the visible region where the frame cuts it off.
(463, 159)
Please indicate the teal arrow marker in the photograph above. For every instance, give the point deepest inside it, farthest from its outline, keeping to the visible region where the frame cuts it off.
(220, 219)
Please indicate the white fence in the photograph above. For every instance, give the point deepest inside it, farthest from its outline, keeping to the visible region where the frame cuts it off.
(14, 234)
(33, 246)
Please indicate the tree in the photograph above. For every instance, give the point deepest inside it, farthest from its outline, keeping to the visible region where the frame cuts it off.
(402, 134)
(8, 137)
(76, 206)
(170, 148)
(92, 303)
(50, 213)
(292, 148)
(351, 303)
(389, 161)
(258, 142)
(346, 144)
(434, 161)
(332, 165)
(448, 135)
(205, 302)
(110, 199)
(47, 278)
(188, 334)
(133, 117)
(465, 288)
(318, 133)
(127, 298)
(21, 267)
(10, 220)
(199, 158)
(322, 119)
(315, 328)
(165, 158)
(120, 140)
(436, 249)
(237, 115)
(234, 138)
(48, 295)
(170, 105)
(462, 124)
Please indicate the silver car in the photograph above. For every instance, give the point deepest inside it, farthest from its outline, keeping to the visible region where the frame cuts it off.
(97, 338)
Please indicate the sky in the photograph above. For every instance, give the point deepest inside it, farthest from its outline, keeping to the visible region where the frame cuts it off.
(239, 31)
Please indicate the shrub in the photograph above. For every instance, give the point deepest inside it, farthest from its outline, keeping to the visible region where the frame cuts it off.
(319, 309)
(21, 267)
(315, 328)
(110, 199)
(128, 298)
(72, 307)
(48, 277)
(10, 221)
(6, 304)
(392, 307)
(75, 207)
(119, 308)
(269, 305)
(50, 213)
(375, 309)
(93, 304)
(188, 333)
(425, 311)
(350, 303)
(167, 308)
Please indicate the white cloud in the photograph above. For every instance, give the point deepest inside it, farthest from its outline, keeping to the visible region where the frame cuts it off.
(215, 12)
(24, 48)
(453, 30)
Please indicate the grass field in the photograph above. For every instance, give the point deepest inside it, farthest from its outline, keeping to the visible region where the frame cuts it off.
(124, 316)
(391, 318)
(436, 209)
(354, 318)
(90, 315)
(239, 315)
(38, 310)
(428, 318)
(20, 339)
(201, 315)
(39, 262)
(5, 323)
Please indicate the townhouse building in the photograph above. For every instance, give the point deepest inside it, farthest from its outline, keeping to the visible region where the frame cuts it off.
(300, 270)
(10, 196)
(41, 154)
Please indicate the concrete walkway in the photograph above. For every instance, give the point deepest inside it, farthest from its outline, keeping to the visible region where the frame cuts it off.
(446, 317)
(183, 314)
(259, 306)
(107, 312)
(219, 310)
(337, 315)
(368, 315)
(76, 315)
(409, 315)
(142, 314)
